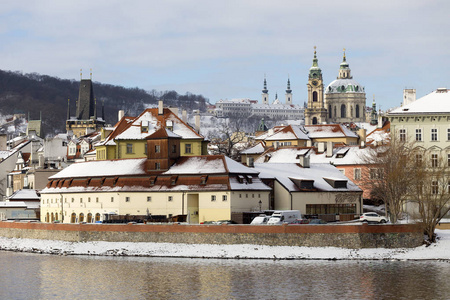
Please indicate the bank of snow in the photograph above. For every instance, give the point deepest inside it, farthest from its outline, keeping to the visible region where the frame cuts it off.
(438, 251)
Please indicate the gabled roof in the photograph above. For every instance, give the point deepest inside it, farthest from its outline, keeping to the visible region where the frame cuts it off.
(131, 128)
(24, 195)
(290, 132)
(257, 149)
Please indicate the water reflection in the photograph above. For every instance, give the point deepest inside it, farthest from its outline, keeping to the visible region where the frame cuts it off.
(31, 276)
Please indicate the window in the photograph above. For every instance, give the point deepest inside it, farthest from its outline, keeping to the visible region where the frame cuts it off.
(187, 148)
(240, 195)
(96, 199)
(448, 134)
(174, 148)
(73, 200)
(157, 166)
(402, 135)
(343, 111)
(418, 134)
(375, 174)
(419, 159)
(434, 134)
(170, 198)
(157, 148)
(129, 148)
(81, 200)
(357, 174)
(89, 199)
(434, 160)
(145, 148)
(127, 199)
(149, 199)
(224, 197)
(213, 197)
(434, 187)
(448, 160)
(112, 199)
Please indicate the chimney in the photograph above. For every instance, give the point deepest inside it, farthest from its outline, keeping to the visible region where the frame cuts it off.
(3, 142)
(380, 120)
(362, 137)
(329, 149)
(160, 107)
(321, 147)
(41, 160)
(174, 110)
(121, 114)
(184, 116)
(304, 161)
(197, 122)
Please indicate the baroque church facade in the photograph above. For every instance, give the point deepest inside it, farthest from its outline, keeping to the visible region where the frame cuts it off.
(342, 101)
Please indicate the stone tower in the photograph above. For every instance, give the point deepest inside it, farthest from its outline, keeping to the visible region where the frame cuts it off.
(265, 93)
(316, 112)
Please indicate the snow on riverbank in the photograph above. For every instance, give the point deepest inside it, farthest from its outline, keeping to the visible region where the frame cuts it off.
(438, 251)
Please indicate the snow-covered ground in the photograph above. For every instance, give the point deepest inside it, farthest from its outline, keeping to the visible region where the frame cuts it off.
(437, 251)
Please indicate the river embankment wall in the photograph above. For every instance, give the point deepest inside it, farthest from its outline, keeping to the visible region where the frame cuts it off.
(353, 236)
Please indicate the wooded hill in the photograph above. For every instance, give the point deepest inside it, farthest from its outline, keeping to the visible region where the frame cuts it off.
(34, 94)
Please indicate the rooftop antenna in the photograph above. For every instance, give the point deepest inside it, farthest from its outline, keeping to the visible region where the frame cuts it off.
(91, 73)
(81, 74)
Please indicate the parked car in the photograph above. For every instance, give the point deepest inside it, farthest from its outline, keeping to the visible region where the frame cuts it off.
(260, 220)
(301, 221)
(372, 217)
(317, 221)
(225, 222)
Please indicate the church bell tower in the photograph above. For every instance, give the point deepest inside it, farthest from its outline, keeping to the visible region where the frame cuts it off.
(316, 112)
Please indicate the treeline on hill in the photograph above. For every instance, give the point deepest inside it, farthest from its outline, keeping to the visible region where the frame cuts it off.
(34, 94)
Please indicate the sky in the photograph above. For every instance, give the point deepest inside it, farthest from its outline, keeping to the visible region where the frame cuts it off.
(224, 49)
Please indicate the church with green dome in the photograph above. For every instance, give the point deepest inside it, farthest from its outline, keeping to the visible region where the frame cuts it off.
(342, 101)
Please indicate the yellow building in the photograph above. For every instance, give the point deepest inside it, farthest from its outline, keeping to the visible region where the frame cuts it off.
(128, 139)
(202, 188)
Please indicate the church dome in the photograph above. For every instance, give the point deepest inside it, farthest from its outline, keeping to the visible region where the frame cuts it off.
(344, 86)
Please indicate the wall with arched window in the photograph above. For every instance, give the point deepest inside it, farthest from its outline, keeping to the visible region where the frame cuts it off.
(314, 96)
(343, 112)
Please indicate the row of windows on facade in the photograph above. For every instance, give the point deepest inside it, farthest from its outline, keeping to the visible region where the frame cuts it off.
(128, 199)
(344, 111)
(434, 136)
(51, 217)
(187, 148)
(73, 150)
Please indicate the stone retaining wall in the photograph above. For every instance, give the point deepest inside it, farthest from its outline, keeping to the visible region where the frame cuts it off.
(346, 236)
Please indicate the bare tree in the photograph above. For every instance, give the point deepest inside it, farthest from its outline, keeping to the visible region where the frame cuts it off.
(227, 138)
(430, 191)
(389, 175)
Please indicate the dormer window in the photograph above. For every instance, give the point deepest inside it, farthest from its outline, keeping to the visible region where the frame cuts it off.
(152, 180)
(240, 178)
(173, 180)
(203, 180)
(336, 183)
(249, 179)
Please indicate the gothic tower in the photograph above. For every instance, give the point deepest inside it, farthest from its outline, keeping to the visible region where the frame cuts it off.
(316, 112)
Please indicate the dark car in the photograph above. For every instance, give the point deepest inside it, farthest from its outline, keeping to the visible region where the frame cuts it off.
(300, 221)
(317, 221)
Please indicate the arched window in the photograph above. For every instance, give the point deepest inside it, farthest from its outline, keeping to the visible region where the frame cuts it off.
(314, 121)
(47, 218)
(357, 111)
(73, 218)
(329, 112)
(81, 218)
(314, 96)
(56, 216)
(89, 218)
(53, 217)
(343, 111)
(97, 217)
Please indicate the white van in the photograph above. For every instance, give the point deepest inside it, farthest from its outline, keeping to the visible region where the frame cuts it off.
(260, 220)
(284, 216)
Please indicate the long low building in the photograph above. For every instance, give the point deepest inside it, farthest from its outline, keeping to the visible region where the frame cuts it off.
(202, 188)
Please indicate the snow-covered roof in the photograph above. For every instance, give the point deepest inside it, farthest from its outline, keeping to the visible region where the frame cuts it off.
(349, 155)
(291, 132)
(257, 149)
(344, 85)
(25, 194)
(100, 168)
(283, 172)
(212, 164)
(329, 130)
(437, 102)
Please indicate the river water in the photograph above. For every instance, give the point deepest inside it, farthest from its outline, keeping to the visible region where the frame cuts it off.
(34, 276)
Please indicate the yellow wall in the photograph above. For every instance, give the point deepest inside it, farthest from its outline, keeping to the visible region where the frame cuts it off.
(206, 210)
(297, 143)
(196, 147)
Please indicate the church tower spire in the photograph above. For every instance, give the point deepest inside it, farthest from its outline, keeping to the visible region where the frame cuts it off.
(265, 92)
(344, 69)
(316, 112)
(288, 93)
